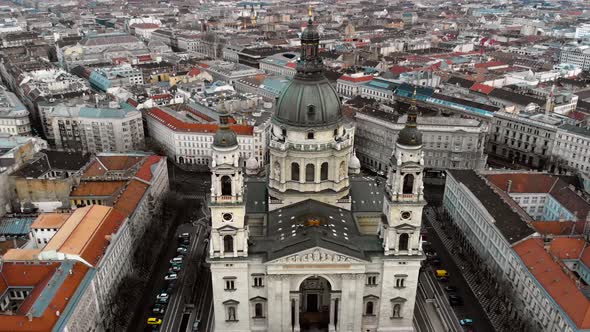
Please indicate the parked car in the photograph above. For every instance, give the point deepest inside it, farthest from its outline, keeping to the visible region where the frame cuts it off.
(162, 295)
(162, 301)
(466, 322)
(450, 288)
(455, 300)
(171, 276)
(176, 260)
(182, 250)
(159, 309)
(441, 273)
(196, 325)
(174, 268)
(154, 321)
(443, 279)
(435, 262)
(184, 236)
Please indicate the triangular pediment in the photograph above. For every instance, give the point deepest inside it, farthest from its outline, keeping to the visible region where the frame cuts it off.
(405, 227)
(316, 255)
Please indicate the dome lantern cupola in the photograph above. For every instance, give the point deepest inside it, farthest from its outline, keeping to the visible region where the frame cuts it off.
(410, 135)
(224, 137)
(309, 100)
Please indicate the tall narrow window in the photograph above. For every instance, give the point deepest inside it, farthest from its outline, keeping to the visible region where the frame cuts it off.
(231, 313)
(324, 172)
(228, 243)
(397, 310)
(309, 173)
(258, 310)
(226, 185)
(408, 184)
(403, 241)
(369, 308)
(295, 171)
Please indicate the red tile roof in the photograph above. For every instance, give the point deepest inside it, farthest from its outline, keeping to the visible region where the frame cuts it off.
(194, 72)
(132, 102)
(490, 64)
(162, 96)
(179, 125)
(359, 79)
(145, 26)
(481, 88)
(131, 196)
(577, 115)
(399, 69)
(552, 276)
(36, 275)
(523, 182)
(99, 189)
(567, 247)
(145, 171)
(553, 227)
(543, 183)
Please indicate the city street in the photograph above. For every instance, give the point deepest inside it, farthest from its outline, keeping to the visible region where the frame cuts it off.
(471, 308)
(190, 298)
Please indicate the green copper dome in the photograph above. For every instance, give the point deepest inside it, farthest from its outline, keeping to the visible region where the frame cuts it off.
(308, 103)
(309, 100)
(224, 137)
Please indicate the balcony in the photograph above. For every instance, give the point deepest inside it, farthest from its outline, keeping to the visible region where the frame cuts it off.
(337, 145)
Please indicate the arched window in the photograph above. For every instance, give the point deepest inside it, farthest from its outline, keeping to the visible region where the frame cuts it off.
(324, 172)
(295, 171)
(231, 313)
(403, 241)
(397, 308)
(228, 243)
(408, 184)
(309, 173)
(258, 310)
(369, 308)
(226, 185)
(343, 170)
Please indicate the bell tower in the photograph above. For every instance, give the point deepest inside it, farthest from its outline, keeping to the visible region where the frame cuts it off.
(229, 234)
(404, 191)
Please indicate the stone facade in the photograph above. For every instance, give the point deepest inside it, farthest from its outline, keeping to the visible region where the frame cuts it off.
(448, 143)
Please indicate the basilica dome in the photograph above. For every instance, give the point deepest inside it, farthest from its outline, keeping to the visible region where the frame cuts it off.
(309, 100)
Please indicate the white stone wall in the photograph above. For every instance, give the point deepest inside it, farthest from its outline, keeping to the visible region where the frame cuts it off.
(348, 284)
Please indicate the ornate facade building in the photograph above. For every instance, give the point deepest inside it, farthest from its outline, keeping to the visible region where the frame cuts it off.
(313, 246)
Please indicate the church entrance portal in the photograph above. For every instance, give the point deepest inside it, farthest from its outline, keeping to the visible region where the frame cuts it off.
(314, 295)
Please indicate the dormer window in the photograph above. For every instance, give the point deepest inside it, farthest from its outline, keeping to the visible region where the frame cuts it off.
(310, 135)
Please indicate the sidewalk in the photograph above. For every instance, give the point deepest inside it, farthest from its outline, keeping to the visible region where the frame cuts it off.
(489, 304)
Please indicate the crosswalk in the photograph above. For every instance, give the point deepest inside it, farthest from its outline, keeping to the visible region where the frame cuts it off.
(493, 307)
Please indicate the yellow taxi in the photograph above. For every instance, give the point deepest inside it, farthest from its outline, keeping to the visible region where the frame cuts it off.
(154, 321)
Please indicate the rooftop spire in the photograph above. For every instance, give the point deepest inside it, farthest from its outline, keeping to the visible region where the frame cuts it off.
(413, 111)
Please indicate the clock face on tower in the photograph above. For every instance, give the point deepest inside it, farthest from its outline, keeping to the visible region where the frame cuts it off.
(227, 216)
(406, 215)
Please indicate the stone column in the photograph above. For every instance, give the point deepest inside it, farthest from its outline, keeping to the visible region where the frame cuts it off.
(331, 325)
(235, 244)
(221, 246)
(295, 302)
(274, 303)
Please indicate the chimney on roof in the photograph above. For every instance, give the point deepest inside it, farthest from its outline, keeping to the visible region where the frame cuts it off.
(509, 186)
